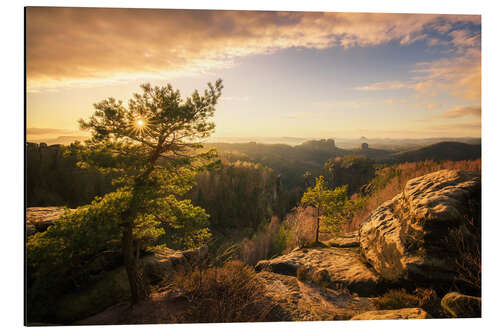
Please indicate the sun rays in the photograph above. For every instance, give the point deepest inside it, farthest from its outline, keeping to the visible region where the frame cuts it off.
(140, 127)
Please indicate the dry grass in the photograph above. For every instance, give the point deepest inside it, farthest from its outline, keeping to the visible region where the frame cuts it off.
(391, 180)
(467, 245)
(232, 293)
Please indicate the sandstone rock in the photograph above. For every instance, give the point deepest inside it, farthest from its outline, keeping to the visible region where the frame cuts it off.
(168, 261)
(461, 306)
(30, 229)
(299, 301)
(404, 238)
(42, 217)
(345, 240)
(339, 267)
(407, 313)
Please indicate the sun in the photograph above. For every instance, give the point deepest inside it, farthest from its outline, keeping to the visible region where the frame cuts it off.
(140, 126)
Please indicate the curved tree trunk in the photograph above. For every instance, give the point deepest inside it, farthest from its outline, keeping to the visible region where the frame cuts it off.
(130, 263)
(317, 226)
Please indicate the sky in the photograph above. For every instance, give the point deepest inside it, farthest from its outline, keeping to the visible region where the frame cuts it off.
(295, 74)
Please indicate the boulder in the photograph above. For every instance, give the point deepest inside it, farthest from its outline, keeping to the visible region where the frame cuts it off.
(407, 313)
(405, 239)
(331, 267)
(41, 218)
(461, 306)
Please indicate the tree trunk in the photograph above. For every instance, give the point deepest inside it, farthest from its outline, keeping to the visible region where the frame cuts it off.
(138, 290)
(317, 226)
(130, 263)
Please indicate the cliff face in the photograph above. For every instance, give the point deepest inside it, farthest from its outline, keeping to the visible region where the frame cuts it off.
(408, 238)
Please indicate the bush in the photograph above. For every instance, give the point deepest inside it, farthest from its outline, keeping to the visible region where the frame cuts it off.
(466, 243)
(59, 259)
(231, 293)
(396, 299)
(426, 299)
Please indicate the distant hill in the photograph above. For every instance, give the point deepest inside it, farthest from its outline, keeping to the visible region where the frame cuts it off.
(451, 151)
(60, 140)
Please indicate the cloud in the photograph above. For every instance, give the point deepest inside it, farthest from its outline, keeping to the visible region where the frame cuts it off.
(463, 39)
(459, 76)
(462, 111)
(392, 85)
(80, 46)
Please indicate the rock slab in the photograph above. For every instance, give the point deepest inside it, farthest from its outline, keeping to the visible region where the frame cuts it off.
(336, 267)
(406, 313)
(38, 219)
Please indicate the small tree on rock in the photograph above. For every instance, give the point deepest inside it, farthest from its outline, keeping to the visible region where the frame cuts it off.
(333, 204)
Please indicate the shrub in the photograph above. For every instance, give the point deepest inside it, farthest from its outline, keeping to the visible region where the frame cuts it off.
(231, 293)
(466, 243)
(396, 299)
(299, 227)
(426, 299)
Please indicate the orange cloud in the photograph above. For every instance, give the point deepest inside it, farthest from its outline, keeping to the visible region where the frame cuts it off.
(79, 46)
(462, 111)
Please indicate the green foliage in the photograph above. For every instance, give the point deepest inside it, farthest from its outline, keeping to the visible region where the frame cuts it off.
(333, 204)
(58, 260)
(185, 225)
(77, 236)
